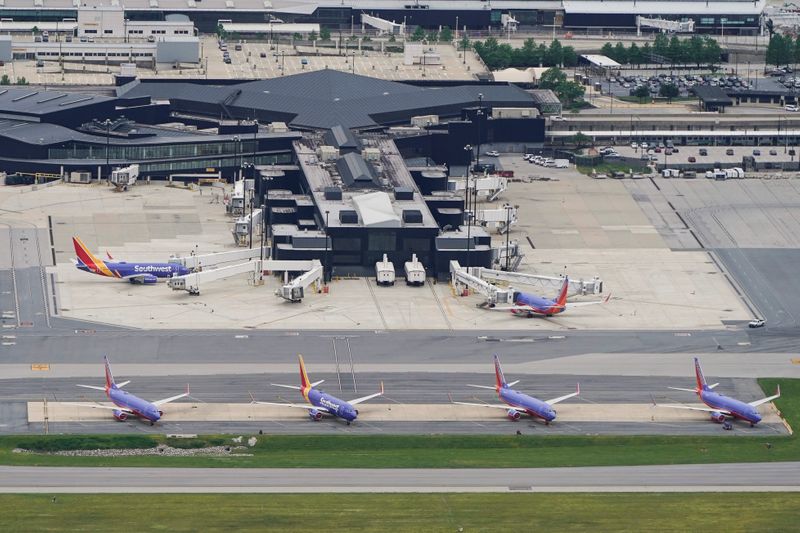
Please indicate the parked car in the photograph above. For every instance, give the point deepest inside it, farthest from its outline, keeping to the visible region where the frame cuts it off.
(792, 152)
(634, 145)
(493, 153)
(238, 47)
(703, 151)
(692, 159)
(757, 323)
(773, 152)
(756, 152)
(792, 108)
(729, 151)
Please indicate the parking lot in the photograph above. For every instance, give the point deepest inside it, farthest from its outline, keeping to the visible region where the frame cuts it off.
(625, 85)
(725, 155)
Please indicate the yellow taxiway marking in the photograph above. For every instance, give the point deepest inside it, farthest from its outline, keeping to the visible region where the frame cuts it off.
(40, 367)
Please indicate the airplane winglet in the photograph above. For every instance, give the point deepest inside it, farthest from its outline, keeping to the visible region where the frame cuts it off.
(450, 395)
(578, 388)
(607, 298)
(252, 397)
(381, 387)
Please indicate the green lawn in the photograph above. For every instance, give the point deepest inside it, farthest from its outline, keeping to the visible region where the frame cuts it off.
(610, 168)
(400, 512)
(443, 451)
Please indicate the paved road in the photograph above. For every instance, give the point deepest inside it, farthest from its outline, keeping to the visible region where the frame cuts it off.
(669, 478)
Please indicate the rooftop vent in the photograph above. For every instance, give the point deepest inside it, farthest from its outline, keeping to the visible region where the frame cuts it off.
(412, 216)
(347, 216)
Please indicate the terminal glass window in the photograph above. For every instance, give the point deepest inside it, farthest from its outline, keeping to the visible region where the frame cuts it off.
(382, 241)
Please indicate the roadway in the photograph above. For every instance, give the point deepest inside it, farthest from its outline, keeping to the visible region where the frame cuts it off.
(736, 477)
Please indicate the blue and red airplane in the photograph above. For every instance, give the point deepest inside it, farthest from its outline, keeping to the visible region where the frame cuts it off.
(517, 402)
(719, 405)
(144, 273)
(125, 403)
(530, 305)
(321, 403)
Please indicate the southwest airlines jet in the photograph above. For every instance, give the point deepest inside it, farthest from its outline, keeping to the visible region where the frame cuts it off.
(127, 404)
(517, 402)
(321, 403)
(719, 405)
(529, 305)
(145, 273)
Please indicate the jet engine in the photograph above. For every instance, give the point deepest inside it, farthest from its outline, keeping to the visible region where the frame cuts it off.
(717, 417)
(122, 416)
(315, 414)
(513, 415)
(147, 279)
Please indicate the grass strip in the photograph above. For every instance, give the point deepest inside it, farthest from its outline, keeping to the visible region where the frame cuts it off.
(636, 512)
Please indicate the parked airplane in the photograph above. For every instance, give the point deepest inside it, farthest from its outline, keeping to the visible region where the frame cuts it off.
(518, 402)
(319, 402)
(719, 405)
(127, 404)
(145, 273)
(530, 305)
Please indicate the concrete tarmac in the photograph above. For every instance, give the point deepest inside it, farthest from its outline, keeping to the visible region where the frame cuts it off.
(737, 477)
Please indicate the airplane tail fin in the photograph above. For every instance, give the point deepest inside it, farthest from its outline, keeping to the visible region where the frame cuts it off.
(305, 383)
(86, 257)
(561, 301)
(109, 376)
(498, 372)
(701, 379)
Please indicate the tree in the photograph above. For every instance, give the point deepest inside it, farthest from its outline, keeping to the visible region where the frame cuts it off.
(432, 37)
(608, 50)
(676, 51)
(464, 43)
(580, 140)
(221, 33)
(552, 78)
(696, 52)
(296, 37)
(661, 47)
(418, 34)
(313, 36)
(555, 54)
(35, 30)
(324, 34)
(635, 56)
(621, 54)
(446, 35)
(780, 50)
(647, 53)
(711, 51)
(570, 56)
(641, 92)
(669, 91)
(5, 80)
(570, 91)
(22, 81)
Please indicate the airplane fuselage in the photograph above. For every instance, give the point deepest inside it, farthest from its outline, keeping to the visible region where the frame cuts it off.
(536, 305)
(122, 269)
(738, 409)
(331, 404)
(141, 408)
(528, 404)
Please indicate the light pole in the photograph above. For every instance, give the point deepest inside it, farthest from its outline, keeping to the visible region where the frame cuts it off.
(236, 158)
(479, 114)
(508, 236)
(325, 261)
(252, 198)
(108, 145)
(468, 149)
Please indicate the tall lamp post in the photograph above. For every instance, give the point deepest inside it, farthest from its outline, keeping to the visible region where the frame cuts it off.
(509, 207)
(325, 262)
(479, 114)
(468, 149)
(107, 124)
(237, 166)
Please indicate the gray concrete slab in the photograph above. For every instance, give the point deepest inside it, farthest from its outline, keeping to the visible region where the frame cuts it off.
(695, 478)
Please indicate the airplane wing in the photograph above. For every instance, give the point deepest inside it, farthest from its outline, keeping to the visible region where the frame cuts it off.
(139, 277)
(565, 397)
(492, 388)
(100, 406)
(523, 308)
(690, 408)
(595, 302)
(368, 397)
(95, 387)
(493, 405)
(296, 405)
(172, 398)
(768, 399)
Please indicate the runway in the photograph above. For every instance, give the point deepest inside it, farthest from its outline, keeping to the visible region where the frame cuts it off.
(737, 477)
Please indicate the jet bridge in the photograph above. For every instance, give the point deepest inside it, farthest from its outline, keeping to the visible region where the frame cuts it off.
(500, 219)
(666, 26)
(191, 282)
(294, 291)
(488, 187)
(479, 279)
(241, 228)
(199, 262)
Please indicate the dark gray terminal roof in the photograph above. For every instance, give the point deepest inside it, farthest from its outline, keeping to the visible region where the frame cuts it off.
(712, 95)
(327, 98)
(30, 102)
